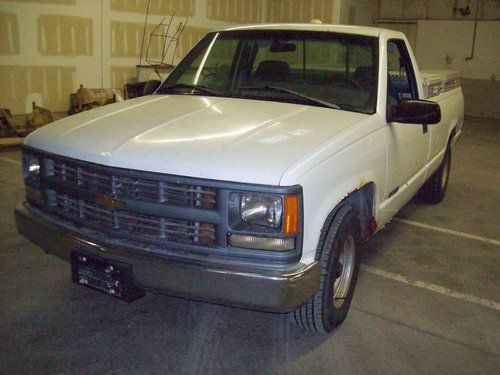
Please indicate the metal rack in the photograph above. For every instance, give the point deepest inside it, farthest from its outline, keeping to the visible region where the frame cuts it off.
(169, 35)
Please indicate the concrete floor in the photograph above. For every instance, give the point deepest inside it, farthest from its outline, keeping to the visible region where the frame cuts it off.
(47, 324)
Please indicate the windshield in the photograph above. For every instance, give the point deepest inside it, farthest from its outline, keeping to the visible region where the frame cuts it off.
(313, 68)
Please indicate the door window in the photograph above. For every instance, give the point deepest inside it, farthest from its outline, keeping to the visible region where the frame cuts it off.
(401, 82)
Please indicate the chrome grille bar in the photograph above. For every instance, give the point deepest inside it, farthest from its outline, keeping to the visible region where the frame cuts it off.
(134, 188)
(73, 184)
(88, 214)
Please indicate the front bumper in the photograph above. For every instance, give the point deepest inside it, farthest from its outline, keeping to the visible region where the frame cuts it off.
(240, 286)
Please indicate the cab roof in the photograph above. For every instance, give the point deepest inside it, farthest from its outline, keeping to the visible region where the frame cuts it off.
(346, 29)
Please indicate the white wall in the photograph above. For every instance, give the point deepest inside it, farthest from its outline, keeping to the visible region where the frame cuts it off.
(446, 44)
(442, 39)
(437, 9)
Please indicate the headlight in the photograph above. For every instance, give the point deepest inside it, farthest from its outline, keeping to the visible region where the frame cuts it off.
(261, 209)
(31, 169)
(263, 221)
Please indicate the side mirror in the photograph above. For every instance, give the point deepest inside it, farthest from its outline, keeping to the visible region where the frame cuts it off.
(422, 112)
(150, 87)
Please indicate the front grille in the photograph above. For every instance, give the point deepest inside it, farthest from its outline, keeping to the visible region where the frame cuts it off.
(102, 181)
(139, 225)
(77, 192)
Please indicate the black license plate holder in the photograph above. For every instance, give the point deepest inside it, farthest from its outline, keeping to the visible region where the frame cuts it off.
(110, 277)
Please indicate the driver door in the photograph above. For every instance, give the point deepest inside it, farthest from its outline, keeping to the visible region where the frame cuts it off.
(407, 144)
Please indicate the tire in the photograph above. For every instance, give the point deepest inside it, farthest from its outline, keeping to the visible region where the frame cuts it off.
(434, 189)
(322, 313)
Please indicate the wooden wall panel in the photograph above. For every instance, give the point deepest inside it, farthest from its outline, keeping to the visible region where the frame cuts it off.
(182, 8)
(9, 34)
(299, 10)
(189, 38)
(65, 35)
(57, 2)
(120, 75)
(126, 39)
(237, 11)
(52, 83)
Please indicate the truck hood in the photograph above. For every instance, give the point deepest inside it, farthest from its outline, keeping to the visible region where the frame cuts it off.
(209, 137)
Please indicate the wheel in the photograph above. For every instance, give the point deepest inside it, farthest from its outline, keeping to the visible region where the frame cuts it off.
(339, 260)
(434, 190)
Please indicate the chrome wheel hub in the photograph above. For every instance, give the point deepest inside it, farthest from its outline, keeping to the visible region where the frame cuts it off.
(344, 271)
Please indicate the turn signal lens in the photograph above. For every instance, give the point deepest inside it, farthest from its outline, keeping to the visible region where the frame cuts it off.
(291, 215)
(262, 243)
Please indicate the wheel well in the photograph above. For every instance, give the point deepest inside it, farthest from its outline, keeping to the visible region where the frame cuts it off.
(452, 135)
(361, 200)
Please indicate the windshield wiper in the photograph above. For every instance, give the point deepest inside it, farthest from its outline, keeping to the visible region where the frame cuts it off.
(189, 86)
(294, 93)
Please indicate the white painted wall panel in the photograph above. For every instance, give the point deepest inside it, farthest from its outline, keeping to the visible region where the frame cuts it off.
(437, 40)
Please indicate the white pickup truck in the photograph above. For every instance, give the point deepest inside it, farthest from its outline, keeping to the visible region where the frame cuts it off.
(253, 173)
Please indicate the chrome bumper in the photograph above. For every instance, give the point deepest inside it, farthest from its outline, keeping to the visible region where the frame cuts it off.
(257, 289)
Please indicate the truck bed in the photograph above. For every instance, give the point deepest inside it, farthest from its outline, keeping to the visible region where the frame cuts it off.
(435, 82)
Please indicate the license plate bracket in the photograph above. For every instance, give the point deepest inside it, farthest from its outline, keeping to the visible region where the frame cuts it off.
(110, 277)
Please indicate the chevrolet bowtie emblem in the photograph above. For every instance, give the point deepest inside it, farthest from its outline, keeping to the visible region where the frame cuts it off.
(109, 202)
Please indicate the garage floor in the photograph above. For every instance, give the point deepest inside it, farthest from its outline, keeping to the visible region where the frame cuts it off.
(427, 300)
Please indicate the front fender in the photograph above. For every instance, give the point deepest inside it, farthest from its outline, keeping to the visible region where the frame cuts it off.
(329, 181)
